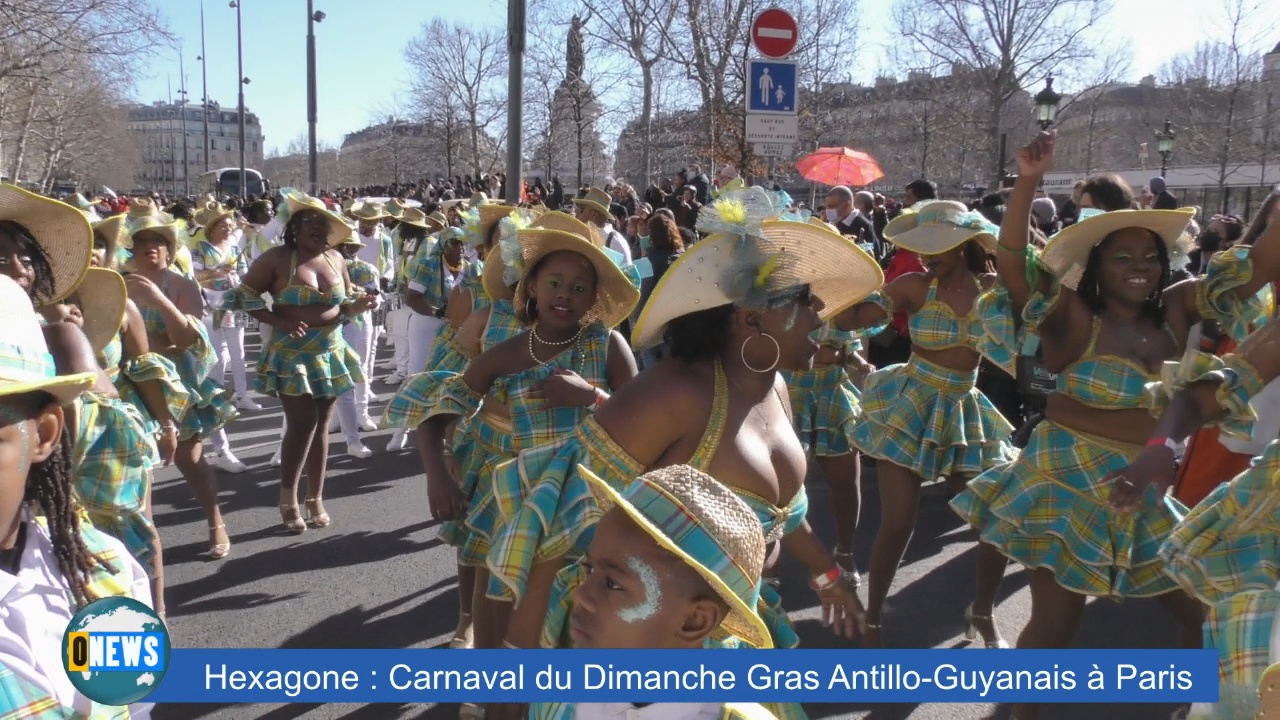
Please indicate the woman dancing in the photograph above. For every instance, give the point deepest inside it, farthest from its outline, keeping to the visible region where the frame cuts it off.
(308, 364)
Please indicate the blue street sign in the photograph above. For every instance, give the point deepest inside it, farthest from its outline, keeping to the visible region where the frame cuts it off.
(771, 86)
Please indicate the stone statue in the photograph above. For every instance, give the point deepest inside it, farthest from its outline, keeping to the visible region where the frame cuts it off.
(575, 52)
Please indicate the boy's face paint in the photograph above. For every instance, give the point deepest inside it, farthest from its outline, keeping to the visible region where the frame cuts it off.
(650, 586)
(630, 598)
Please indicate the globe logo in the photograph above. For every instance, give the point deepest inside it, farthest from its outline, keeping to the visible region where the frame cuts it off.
(116, 651)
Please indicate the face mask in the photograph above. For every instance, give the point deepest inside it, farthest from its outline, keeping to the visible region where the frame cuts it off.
(832, 215)
(644, 243)
(1086, 213)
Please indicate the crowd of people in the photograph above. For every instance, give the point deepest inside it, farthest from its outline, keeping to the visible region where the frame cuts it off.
(615, 407)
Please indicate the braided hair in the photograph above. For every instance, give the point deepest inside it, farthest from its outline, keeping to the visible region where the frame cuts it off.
(49, 486)
(1091, 292)
(42, 287)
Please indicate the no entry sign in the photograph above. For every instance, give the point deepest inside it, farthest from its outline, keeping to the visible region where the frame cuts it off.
(775, 33)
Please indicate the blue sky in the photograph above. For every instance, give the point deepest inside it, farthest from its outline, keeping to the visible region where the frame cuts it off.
(360, 51)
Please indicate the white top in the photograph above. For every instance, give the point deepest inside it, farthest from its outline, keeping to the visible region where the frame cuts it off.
(35, 608)
(372, 253)
(617, 242)
(657, 711)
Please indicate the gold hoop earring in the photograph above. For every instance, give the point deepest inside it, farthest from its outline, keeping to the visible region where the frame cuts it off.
(777, 349)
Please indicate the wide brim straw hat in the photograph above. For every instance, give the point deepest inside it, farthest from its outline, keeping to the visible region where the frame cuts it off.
(339, 230)
(210, 214)
(101, 297)
(936, 227)
(1067, 252)
(483, 218)
(696, 518)
(837, 271)
(616, 297)
(494, 268)
(26, 365)
(113, 229)
(369, 211)
(60, 230)
(596, 199)
(438, 218)
(417, 218)
(395, 207)
(173, 233)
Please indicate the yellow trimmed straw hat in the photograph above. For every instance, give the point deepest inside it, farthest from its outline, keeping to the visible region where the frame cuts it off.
(701, 521)
(616, 297)
(837, 271)
(596, 199)
(339, 230)
(1067, 252)
(113, 229)
(491, 276)
(210, 214)
(173, 233)
(936, 227)
(101, 297)
(25, 363)
(60, 230)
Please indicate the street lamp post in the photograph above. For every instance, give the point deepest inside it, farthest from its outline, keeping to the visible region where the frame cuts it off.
(1164, 142)
(182, 108)
(313, 17)
(204, 78)
(1047, 104)
(243, 81)
(173, 157)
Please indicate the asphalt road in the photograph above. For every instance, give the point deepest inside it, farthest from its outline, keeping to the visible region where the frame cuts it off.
(379, 578)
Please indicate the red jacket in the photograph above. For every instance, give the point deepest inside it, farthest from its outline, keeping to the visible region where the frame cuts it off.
(903, 262)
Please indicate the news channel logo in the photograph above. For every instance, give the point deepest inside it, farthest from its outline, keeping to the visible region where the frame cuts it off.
(116, 651)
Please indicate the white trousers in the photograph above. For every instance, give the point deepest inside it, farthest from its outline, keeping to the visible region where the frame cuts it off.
(398, 328)
(228, 345)
(360, 338)
(422, 337)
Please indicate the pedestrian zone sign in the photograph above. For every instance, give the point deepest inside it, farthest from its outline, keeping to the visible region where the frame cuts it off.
(771, 86)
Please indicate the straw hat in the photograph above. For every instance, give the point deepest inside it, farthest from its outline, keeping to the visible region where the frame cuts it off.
(25, 363)
(494, 267)
(101, 297)
(696, 518)
(438, 218)
(939, 226)
(60, 230)
(142, 207)
(113, 230)
(369, 211)
(395, 208)
(479, 220)
(836, 270)
(417, 218)
(616, 297)
(210, 214)
(339, 230)
(478, 199)
(1067, 252)
(172, 232)
(596, 199)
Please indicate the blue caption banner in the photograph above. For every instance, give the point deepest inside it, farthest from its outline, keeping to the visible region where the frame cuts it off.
(814, 676)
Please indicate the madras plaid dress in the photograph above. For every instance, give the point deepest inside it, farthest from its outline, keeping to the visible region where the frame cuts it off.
(1050, 507)
(209, 405)
(114, 456)
(320, 363)
(21, 700)
(208, 257)
(824, 400)
(931, 419)
(362, 275)
(126, 373)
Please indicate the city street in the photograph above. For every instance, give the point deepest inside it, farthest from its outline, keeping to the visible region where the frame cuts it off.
(379, 578)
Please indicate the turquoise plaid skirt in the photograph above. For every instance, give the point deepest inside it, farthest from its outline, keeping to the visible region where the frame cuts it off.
(824, 402)
(319, 364)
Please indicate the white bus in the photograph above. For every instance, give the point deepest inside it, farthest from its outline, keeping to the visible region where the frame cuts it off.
(225, 182)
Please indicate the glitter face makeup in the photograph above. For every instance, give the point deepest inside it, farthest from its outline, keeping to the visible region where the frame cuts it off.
(652, 593)
(10, 416)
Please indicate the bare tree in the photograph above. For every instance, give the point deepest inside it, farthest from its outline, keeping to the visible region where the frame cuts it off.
(114, 34)
(1216, 81)
(469, 64)
(1086, 136)
(1011, 44)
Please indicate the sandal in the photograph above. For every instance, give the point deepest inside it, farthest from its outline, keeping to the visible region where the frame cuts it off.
(295, 523)
(218, 550)
(316, 516)
(971, 631)
(463, 638)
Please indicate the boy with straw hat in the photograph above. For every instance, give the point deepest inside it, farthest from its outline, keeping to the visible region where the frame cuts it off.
(676, 557)
(54, 564)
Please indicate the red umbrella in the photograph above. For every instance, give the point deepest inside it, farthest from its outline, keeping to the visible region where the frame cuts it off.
(839, 166)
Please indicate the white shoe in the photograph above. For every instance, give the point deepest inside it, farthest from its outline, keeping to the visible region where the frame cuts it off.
(333, 424)
(356, 449)
(227, 462)
(398, 439)
(367, 424)
(275, 459)
(394, 378)
(246, 403)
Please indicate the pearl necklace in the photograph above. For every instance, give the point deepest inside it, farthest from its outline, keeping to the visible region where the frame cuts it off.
(533, 332)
